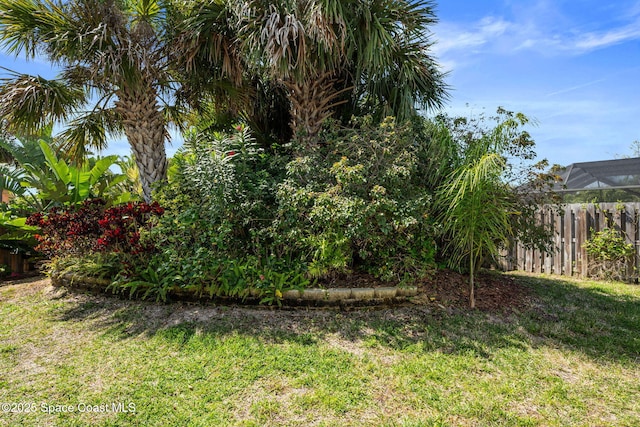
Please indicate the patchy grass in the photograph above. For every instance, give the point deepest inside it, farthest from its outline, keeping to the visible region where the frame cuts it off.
(572, 358)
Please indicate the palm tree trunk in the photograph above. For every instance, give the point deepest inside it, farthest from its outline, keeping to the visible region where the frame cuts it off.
(145, 129)
(472, 268)
(312, 102)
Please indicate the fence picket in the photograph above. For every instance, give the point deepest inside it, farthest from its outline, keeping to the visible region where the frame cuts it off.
(567, 268)
(557, 243)
(548, 256)
(580, 238)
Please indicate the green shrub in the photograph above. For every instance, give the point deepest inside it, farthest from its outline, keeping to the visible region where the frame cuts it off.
(242, 219)
(609, 256)
(214, 237)
(356, 202)
(234, 222)
(221, 192)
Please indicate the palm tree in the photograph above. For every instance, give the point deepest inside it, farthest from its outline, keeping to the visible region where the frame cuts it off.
(367, 56)
(480, 212)
(207, 56)
(475, 207)
(116, 60)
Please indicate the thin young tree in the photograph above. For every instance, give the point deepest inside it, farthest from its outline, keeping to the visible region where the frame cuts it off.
(478, 204)
(476, 212)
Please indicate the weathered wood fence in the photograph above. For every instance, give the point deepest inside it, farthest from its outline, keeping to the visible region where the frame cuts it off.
(572, 225)
(16, 262)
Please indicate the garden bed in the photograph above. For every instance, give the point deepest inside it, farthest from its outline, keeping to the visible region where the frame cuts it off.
(317, 297)
(444, 288)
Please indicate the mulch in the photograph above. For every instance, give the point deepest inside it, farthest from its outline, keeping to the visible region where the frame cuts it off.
(494, 291)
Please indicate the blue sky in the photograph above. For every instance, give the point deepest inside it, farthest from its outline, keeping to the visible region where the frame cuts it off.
(572, 66)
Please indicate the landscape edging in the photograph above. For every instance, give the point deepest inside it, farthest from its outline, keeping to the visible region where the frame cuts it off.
(308, 297)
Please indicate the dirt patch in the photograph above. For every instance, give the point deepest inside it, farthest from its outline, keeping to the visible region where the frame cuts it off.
(493, 291)
(22, 278)
(12, 289)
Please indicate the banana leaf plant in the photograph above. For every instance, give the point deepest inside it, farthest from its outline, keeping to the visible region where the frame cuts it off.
(42, 179)
(72, 184)
(15, 234)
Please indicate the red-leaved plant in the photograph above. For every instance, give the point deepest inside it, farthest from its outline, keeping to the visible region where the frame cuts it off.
(91, 227)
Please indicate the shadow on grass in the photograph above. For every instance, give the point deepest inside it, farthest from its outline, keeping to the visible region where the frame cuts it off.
(599, 320)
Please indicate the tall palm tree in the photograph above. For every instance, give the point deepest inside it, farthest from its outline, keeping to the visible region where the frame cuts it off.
(367, 55)
(116, 78)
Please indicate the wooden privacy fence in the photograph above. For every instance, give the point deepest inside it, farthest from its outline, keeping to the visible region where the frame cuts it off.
(572, 225)
(16, 262)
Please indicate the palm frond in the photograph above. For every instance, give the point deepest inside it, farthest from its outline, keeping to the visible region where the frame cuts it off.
(29, 103)
(20, 29)
(176, 116)
(10, 179)
(89, 130)
(475, 209)
(393, 69)
(206, 42)
(53, 28)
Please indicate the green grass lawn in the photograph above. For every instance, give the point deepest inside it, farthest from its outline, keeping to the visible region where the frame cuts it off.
(571, 359)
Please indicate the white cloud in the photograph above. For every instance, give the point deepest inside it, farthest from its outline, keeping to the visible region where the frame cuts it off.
(591, 41)
(452, 37)
(634, 10)
(535, 31)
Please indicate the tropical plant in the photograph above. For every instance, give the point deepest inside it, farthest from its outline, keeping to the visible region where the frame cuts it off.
(41, 179)
(481, 202)
(16, 152)
(115, 78)
(93, 227)
(476, 213)
(38, 180)
(367, 56)
(15, 234)
(610, 256)
(132, 185)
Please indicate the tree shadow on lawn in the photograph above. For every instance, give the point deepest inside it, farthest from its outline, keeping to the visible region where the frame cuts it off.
(559, 314)
(597, 319)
